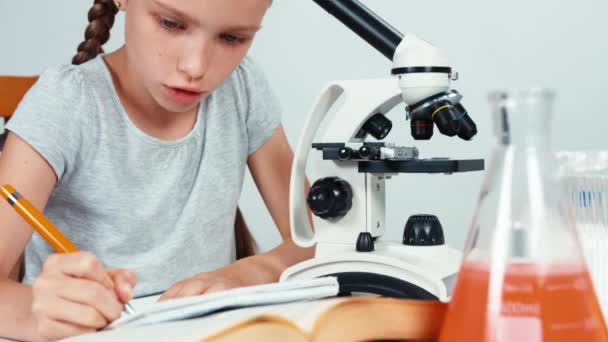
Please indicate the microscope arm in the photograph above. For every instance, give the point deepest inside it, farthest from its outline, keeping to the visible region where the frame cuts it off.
(301, 232)
(362, 100)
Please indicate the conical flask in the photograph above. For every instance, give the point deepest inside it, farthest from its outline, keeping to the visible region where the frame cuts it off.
(523, 276)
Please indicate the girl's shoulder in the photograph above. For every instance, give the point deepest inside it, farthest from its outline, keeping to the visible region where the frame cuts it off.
(65, 89)
(248, 73)
(248, 84)
(70, 82)
(66, 96)
(58, 115)
(58, 81)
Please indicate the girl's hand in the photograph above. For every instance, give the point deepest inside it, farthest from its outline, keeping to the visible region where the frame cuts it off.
(73, 295)
(203, 283)
(245, 272)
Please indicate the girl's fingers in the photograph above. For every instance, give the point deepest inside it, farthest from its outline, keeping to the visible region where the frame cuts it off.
(74, 294)
(196, 286)
(53, 330)
(80, 264)
(193, 287)
(70, 313)
(93, 294)
(124, 282)
(217, 286)
(172, 291)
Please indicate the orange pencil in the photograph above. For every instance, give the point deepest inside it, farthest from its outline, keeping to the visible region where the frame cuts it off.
(44, 226)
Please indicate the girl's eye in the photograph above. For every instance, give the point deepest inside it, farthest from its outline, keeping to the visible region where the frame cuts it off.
(169, 24)
(232, 39)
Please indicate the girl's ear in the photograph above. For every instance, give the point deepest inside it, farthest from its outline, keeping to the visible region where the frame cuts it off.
(121, 4)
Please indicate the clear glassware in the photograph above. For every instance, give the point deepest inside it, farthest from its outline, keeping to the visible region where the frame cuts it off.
(523, 276)
(585, 181)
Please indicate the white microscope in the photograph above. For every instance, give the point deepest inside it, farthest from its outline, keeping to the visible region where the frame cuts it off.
(347, 197)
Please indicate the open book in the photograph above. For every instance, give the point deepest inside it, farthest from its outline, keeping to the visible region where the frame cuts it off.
(333, 320)
(327, 319)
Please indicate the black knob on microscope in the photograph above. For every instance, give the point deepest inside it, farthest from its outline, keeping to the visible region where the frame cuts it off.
(345, 153)
(423, 230)
(378, 126)
(365, 242)
(330, 198)
(365, 152)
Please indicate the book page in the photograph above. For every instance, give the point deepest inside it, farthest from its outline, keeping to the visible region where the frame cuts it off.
(302, 313)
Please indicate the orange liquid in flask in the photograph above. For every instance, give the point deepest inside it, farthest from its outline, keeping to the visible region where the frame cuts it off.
(557, 306)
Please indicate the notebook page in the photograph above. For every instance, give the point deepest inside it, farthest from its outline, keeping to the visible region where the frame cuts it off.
(183, 308)
(143, 303)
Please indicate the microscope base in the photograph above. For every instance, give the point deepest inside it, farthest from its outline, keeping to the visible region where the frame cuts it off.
(391, 270)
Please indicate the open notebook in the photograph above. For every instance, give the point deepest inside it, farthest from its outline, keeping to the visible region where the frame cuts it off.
(149, 311)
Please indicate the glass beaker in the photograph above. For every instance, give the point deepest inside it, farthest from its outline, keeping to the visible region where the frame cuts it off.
(523, 276)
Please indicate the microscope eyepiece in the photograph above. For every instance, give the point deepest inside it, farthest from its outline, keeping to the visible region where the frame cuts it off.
(365, 23)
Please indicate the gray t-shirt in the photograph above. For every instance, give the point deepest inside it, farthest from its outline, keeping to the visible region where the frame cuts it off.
(164, 209)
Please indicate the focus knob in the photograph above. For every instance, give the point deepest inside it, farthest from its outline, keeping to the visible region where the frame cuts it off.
(330, 198)
(423, 230)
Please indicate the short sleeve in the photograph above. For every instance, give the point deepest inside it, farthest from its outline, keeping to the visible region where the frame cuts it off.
(47, 118)
(263, 109)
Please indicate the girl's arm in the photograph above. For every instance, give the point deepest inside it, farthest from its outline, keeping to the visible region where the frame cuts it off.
(270, 167)
(21, 167)
(68, 297)
(271, 170)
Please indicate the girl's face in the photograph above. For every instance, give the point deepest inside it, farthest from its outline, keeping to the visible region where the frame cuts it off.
(183, 49)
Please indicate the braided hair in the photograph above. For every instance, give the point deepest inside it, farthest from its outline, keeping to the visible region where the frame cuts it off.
(101, 19)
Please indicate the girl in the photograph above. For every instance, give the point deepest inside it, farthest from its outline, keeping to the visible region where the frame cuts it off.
(139, 156)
